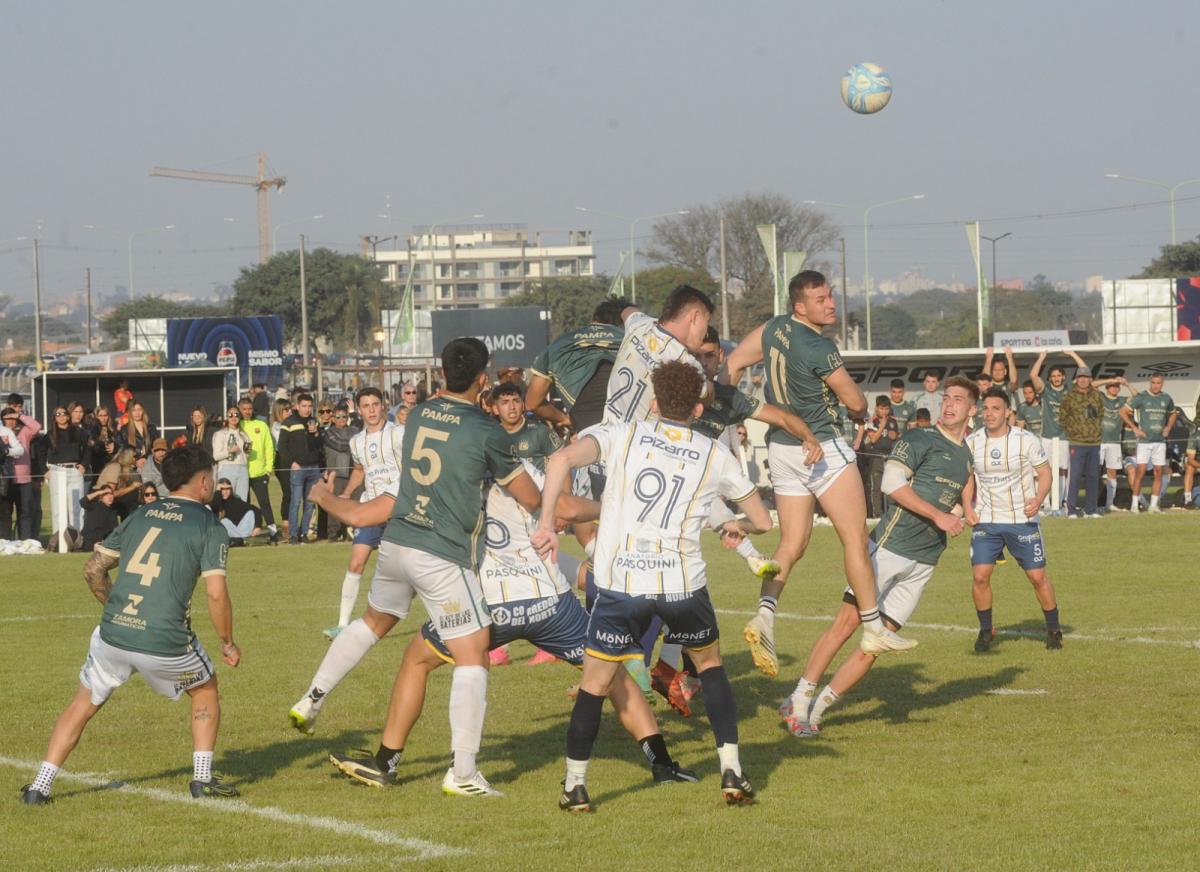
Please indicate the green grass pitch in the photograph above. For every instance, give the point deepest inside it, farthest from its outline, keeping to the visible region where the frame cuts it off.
(1022, 758)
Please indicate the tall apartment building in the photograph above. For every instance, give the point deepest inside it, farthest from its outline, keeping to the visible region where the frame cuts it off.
(479, 266)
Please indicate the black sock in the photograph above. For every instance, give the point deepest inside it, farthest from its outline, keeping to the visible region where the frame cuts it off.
(985, 619)
(719, 702)
(388, 758)
(655, 749)
(584, 726)
(1051, 618)
(688, 666)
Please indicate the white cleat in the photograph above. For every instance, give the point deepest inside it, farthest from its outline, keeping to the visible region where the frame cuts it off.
(884, 642)
(763, 567)
(476, 785)
(761, 637)
(303, 715)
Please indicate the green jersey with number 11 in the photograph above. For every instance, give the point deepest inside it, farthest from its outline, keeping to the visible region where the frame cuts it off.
(798, 360)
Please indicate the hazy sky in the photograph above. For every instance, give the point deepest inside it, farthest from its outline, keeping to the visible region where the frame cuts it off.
(524, 111)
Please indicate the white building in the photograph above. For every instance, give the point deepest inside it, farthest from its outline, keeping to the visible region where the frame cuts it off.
(478, 266)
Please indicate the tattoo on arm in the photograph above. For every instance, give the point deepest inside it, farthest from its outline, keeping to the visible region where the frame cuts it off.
(95, 572)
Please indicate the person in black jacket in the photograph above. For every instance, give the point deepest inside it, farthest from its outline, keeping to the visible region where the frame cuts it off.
(66, 446)
(301, 452)
(99, 515)
(238, 517)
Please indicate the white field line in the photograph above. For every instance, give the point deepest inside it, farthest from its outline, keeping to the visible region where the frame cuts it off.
(24, 619)
(321, 862)
(420, 847)
(1012, 691)
(954, 628)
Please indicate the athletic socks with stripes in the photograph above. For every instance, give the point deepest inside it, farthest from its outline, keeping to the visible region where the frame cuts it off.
(870, 620)
(766, 609)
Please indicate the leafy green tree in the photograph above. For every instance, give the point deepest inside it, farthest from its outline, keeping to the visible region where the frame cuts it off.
(1174, 261)
(116, 322)
(571, 301)
(345, 294)
(892, 327)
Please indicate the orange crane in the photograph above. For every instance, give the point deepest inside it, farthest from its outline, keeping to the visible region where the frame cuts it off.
(260, 183)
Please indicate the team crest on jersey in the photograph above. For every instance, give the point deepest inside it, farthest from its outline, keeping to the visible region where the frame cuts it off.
(995, 454)
(372, 448)
(452, 605)
(672, 434)
(652, 342)
(523, 445)
(500, 616)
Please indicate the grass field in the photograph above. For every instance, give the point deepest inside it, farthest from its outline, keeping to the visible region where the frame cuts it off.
(1022, 758)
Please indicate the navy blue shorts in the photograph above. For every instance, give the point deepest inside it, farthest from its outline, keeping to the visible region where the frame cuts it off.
(619, 621)
(556, 625)
(369, 535)
(1023, 541)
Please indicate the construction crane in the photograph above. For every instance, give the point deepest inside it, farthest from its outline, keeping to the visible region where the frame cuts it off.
(260, 183)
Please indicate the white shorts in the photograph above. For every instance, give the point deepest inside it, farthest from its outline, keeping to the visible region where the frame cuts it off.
(108, 667)
(898, 584)
(792, 477)
(1110, 455)
(452, 595)
(1152, 454)
(1064, 451)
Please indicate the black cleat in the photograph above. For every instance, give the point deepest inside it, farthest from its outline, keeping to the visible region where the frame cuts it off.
(29, 796)
(216, 788)
(361, 767)
(665, 773)
(984, 640)
(736, 789)
(576, 799)
(1054, 640)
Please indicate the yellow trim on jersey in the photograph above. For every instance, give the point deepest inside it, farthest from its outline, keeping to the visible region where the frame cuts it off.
(612, 658)
(879, 542)
(206, 573)
(107, 551)
(440, 655)
(712, 451)
(703, 647)
(946, 433)
(508, 478)
(746, 497)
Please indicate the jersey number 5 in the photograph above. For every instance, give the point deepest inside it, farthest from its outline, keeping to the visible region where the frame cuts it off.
(423, 453)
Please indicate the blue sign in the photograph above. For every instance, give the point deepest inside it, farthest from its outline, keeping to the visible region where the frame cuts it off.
(252, 345)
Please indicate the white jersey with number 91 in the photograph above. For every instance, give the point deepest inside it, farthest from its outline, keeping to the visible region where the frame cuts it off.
(646, 346)
(662, 480)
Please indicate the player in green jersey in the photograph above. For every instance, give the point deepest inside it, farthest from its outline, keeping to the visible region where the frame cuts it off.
(1156, 414)
(1112, 429)
(1029, 410)
(1190, 465)
(159, 551)
(1003, 372)
(903, 411)
(531, 438)
(805, 375)
(924, 480)
(1052, 394)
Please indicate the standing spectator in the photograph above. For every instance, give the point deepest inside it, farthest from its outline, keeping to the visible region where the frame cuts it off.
(1111, 431)
(64, 460)
(152, 468)
(300, 451)
(29, 469)
(902, 411)
(121, 474)
(931, 397)
(338, 461)
(260, 462)
(77, 412)
(1052, 394)
(1156, 416)
(279, 413)
(1081, 415)
(237, 516)
(198, 429)
(880, 435)
(408, 399)
(230, 448)
(121, 398)
(139, 432)
(1029, 410)
(324, 416)
(11, 450)
(102, 440)
(1003, 372)
(260, 402)
(99, 516)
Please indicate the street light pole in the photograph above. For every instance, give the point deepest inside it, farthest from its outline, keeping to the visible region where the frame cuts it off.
(991, 297)
(1170, 189)
(632, 252)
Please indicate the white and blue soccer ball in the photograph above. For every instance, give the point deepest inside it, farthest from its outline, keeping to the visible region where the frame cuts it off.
(866, 88)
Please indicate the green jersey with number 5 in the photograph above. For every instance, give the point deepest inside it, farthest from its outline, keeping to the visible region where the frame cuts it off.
(798, 360)
(163, 548)
(450, 448)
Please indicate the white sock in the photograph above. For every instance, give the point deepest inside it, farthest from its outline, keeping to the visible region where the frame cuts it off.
(202, 765)
(1154, 501)
(272, 528)
(871, 620)
(728, 755)
(576, 773)
(802, 696)
(349, 596)
(45, 778)
(1133, 503)
(1187, 497)
(671, 654)
(468, 703)
(824, 700)
(1110, 488)
(351, 646)
(746, 549)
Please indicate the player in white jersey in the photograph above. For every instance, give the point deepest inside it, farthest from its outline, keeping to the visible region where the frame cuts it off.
(648, 564)
(1011, 478)
(376, 451)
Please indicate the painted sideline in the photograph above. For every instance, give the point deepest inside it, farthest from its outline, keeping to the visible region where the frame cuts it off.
(320, 862)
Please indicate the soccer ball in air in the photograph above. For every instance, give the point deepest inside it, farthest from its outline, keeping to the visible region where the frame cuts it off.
(866, 88)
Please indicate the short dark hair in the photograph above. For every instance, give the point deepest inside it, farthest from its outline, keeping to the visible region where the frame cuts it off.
(981, 376)
(609, 311)
(245, 398)
(301, 397)
(802, 281)
(896, 383)
(923, 414)
(961, 381)
(8, 412)
(683, 298)
(1028, 383)
(183, 463)
(463, 359)
(678, 386)
(998, 394)
(505, 389)
(1050, 371)
(712, 337)
(883, 400)
(259, 385)
(368, 392)
(15, 399)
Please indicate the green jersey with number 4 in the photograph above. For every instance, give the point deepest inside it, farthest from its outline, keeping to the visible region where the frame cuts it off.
(798, 360)
(450, 447)
(163, 548)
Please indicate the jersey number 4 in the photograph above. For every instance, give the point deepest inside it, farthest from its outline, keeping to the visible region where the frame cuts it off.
(144, 562)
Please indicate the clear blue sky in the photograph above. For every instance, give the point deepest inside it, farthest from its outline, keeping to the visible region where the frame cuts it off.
(524, 111)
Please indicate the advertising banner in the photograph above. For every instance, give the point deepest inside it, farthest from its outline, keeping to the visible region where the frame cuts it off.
(253, 345)
(1035, 339)
(1187, 305)
(514, 335)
